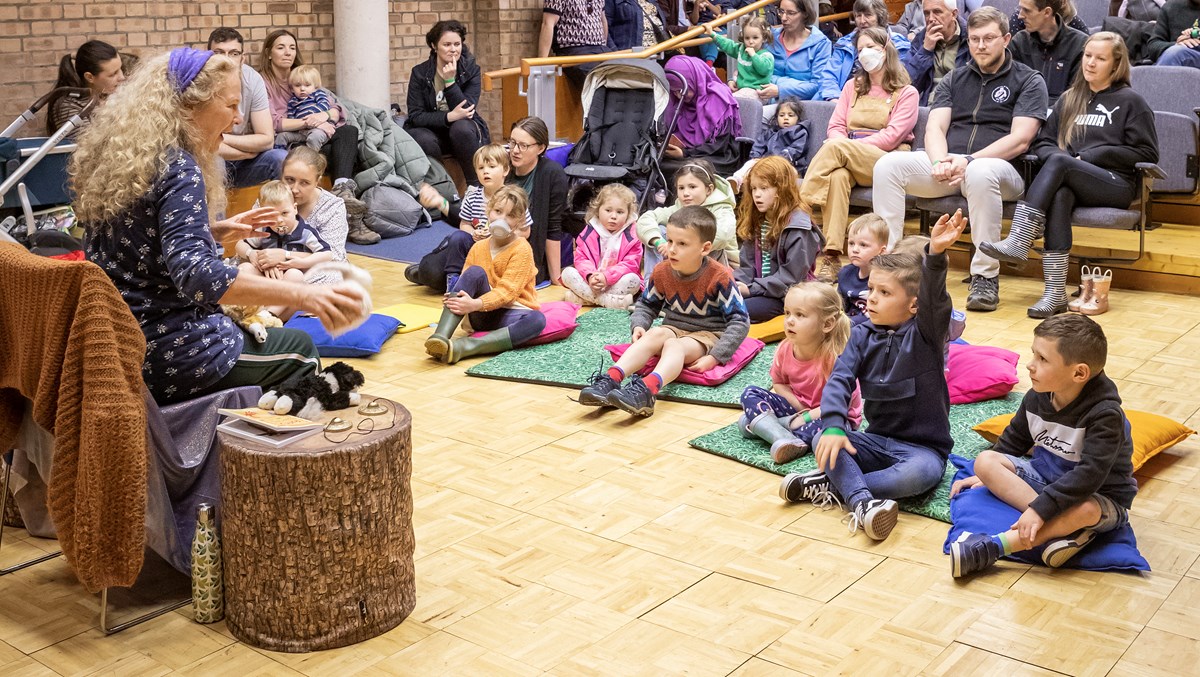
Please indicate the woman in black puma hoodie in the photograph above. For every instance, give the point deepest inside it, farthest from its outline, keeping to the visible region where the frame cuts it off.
(1099, 129)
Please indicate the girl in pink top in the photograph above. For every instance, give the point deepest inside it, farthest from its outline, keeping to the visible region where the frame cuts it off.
(875, 114)
(608, 254)
(789, 414)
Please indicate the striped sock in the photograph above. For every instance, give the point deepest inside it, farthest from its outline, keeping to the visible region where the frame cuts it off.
(654, 382)
(616, 374)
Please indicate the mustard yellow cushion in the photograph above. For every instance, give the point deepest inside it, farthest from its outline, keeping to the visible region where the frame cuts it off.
(1151, 433)
(769, 331)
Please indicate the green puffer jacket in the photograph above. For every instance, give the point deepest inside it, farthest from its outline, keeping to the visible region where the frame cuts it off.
(390, 156)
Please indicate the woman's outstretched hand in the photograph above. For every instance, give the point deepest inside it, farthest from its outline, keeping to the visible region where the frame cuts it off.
(245, 225)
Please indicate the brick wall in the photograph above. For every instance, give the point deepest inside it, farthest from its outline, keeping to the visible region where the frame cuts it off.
(35, 34)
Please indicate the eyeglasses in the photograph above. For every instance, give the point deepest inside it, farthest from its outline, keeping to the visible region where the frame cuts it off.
(983, 40)
(788, 12)
(235, 53)
(520, 147)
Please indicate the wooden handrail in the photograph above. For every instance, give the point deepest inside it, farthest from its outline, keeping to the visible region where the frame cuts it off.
(688, 38)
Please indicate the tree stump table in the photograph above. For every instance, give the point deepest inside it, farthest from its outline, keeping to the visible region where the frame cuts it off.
(317, 536)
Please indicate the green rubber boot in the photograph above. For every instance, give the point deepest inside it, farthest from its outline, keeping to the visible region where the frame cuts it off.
(496, 341)
(438, 345)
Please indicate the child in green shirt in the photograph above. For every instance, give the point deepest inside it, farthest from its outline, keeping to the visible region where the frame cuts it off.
(755, 64)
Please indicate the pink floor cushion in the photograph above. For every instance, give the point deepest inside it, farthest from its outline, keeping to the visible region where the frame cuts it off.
(560, 323)
(713, 377)
(977, 373)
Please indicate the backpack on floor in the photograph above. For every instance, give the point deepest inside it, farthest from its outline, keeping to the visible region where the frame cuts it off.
(391, 212)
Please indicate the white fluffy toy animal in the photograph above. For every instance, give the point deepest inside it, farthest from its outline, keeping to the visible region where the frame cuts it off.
(354, 276)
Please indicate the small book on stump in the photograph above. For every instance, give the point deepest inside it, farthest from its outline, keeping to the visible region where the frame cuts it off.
(266, 427)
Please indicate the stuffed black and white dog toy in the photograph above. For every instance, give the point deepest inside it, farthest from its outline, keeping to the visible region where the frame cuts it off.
(334, 388)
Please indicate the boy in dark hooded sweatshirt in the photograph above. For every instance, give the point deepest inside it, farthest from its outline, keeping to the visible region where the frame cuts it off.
(1065, 460)
(897, 361)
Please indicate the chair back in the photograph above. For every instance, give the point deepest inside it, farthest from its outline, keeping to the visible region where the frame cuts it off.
(817, 114)
(751, 113)
(1008, 6)
(1092, 13)
(919, 130)
(1164, 88)
(1178, 148)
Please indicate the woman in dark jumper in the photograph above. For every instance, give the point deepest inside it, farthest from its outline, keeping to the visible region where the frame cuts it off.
(97, 67)
(443, 92)
(1099, 129)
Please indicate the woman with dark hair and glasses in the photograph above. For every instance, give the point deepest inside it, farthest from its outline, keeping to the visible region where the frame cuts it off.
(443, 92)
(801, 53)
(546, 183)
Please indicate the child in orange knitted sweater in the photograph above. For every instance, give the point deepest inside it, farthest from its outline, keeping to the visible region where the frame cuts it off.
(496, 290)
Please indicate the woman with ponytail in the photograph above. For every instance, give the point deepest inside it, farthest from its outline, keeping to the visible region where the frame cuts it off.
(96, 66)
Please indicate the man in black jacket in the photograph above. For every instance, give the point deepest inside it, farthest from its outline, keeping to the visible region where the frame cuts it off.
(1047, 45)
(982, 116)
(1176, 38)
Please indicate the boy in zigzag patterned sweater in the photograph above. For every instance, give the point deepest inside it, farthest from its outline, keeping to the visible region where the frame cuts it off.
(705, 319)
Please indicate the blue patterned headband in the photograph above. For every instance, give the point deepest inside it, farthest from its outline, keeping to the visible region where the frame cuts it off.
(184, 65)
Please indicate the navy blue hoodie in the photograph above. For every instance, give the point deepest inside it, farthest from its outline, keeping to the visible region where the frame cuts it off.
(901, 371)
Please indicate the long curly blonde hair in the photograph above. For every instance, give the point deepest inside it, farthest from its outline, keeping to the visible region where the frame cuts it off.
(125, 148)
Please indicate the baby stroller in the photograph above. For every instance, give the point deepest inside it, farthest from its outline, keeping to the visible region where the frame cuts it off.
(624, 134)
(37, 168)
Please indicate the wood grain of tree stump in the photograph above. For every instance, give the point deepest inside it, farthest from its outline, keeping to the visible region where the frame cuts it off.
(317, 537)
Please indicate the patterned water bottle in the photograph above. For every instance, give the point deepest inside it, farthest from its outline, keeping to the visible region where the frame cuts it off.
(208, 589)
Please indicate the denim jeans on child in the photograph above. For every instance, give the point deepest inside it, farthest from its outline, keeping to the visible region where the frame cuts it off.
(884, 468)
(1112, 516)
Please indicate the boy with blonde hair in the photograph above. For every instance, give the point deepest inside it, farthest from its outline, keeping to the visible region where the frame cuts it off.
(867, 239)
(307, 98)
(301, 244)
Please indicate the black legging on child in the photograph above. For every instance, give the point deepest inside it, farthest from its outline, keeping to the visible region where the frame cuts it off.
(1064, 183)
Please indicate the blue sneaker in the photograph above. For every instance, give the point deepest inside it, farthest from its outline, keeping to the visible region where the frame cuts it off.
(634, 398)
(972, 553)
(596, 392)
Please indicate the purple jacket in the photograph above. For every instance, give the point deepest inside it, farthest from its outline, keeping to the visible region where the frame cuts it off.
(589, 254)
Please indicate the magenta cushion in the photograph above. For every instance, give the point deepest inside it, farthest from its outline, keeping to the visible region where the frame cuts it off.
(560, 323)
(713, 377)
(977, 373)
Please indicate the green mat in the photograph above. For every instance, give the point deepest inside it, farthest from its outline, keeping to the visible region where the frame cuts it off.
(728, 442)
(569, 363)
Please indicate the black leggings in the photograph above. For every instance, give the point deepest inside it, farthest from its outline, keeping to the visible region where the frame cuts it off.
(1064, 183)
(461, 141)
(342, 150)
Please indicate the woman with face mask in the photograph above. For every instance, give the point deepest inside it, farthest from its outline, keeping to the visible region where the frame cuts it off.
(867, 14)
(876, 113)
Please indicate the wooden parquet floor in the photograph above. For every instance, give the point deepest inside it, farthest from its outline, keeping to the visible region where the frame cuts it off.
(551, 539)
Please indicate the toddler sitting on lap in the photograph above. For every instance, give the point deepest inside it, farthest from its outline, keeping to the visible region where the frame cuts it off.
(608, 255)
(307, 98)
(1065, 460)
(292, 246)
(705, 319)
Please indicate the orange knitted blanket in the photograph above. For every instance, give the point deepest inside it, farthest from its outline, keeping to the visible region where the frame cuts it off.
(72, 347)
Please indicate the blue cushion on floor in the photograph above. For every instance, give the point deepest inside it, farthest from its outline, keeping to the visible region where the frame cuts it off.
(365, 340)
(979, 511)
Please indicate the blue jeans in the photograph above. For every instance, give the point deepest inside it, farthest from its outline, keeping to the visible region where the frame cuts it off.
(1178, 55)
(258, 169)
(884, 468)
(757, 401)
(1112, 516)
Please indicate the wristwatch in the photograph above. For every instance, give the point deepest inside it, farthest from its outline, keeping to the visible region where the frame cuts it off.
(968, 158)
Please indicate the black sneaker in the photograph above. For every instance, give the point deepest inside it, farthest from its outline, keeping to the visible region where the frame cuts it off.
(972, 553)
(1060, 550)
(634, 398)
(811, 486)
(595, 393)
(876, 517)
(984, 295)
